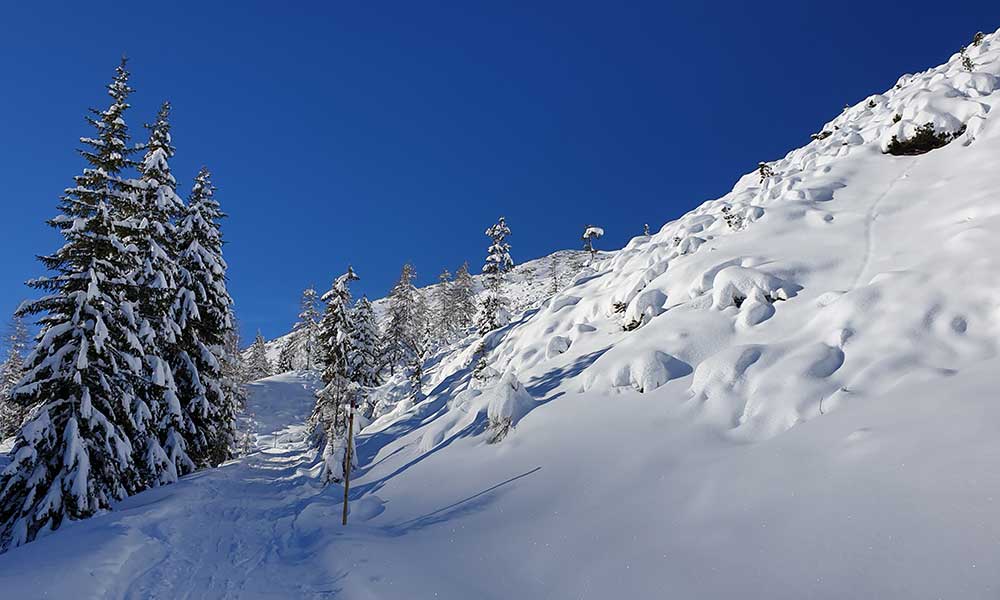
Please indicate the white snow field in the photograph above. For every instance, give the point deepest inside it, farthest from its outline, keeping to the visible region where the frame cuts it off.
(801, 405)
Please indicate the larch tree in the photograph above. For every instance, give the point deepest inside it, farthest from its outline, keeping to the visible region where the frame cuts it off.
(419, 345)
(74, 456)
(498, 263)
(443, 309)
(555, 281)
(463, 298)
(207, 365)
(405, 324)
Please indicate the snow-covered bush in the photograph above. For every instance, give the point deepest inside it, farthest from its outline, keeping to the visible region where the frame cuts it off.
(508, 402)
(924, 140)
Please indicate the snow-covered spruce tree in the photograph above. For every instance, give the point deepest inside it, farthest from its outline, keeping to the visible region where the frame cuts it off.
(365, 351)
(13, 413)
(161, 425)
(498, 263)
(365, 343)
(207, 365)
(463, 299)
(404, 327)
(258, 365)
(443, 310)
(306, 329)
(328, 421)
(286, 357)
(74, 456)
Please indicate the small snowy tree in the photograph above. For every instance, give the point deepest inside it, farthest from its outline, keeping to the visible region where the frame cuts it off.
(405, 325)
(74, 456)
(258, 365)
(13, 413)
(591, 233)
(306, 329)
(286, 356)
(443, 310)
(365, 345)
(235, 370)
(329, 417)
(645, 229)
(463, 299)
(415, 378)
(367, 352)
(555, 283)
(764, 170)
(967, 63)
(498, 263)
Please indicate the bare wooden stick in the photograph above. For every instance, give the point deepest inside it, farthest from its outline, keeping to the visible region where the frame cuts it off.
(347, 465)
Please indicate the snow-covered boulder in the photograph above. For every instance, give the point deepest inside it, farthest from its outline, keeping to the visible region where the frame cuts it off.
(556, 346)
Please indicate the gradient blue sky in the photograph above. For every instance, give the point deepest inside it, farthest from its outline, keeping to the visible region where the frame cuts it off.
(373, 133)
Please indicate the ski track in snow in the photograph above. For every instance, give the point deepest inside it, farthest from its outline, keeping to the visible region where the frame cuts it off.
(873, 215)
(244, 541)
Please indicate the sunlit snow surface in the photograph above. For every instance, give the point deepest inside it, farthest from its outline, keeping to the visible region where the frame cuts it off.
(803, 406)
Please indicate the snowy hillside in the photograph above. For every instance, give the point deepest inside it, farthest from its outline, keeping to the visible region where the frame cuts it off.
(528, 284)
(789, 392)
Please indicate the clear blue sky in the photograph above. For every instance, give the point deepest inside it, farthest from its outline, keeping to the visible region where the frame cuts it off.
(373, 133)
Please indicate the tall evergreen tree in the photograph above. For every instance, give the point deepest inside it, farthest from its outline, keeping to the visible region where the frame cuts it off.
(259, 365)
(329, 416)
(74, 457)
(365, 344)
(463, 293)
(13, 413)
(306, 329)
(207, 364)
(161, 424)
(498, 263)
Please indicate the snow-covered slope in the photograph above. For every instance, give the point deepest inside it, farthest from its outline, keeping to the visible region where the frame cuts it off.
(787, 393)
(528, 284)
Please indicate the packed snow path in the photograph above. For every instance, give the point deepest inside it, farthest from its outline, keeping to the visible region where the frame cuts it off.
(230, 532)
